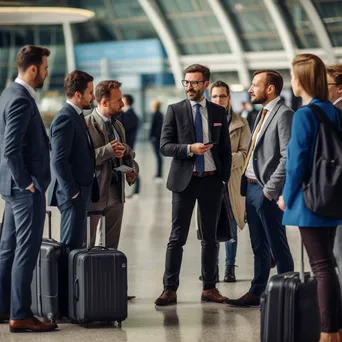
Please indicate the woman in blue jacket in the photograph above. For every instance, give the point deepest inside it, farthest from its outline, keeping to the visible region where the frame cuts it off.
(309, 81)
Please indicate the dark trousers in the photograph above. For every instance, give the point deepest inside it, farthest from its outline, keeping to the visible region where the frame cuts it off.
(319, 244)
(208, 192)
(19, 248)
(74, 223)
(156, 149)
(338, 252)
(267, 233)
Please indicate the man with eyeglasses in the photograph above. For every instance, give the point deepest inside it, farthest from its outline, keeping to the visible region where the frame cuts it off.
(195, 134)
(334, 76)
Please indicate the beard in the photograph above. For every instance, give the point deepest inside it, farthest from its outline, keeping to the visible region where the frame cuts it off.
(39, 81)
(194, 95)
(88, 106)
(259, 100)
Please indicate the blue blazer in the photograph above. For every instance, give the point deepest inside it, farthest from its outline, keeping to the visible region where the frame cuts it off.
(72, 159)
(300, 156)
(24, 144)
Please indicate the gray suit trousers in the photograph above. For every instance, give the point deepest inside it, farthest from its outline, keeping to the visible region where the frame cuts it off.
(113, 212)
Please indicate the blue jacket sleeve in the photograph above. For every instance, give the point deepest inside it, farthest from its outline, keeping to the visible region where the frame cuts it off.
(62, 134)
(299, 153)
(17, 120)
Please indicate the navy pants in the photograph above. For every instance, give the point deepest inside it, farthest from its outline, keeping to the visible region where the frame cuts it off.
(19, 247)
(267, 233)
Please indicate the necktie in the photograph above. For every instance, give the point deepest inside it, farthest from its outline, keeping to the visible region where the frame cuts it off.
(116, 175)
(257, 130)
(83, 121)
(110, 131)
(199, 159)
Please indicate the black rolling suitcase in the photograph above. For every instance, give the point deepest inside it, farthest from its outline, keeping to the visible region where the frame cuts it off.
(97, 283)
(289, 308)
(49, 284)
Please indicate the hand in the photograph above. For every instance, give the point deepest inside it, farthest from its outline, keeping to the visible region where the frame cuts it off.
(118, 148)
(32, 189)
(73, 197)
(200, 148)
(281, 203)
(131, 177)
(268, 197)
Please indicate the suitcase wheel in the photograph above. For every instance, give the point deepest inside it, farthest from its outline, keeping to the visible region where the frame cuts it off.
(120, 324)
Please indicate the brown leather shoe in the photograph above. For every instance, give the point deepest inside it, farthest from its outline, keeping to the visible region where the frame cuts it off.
(168, 297)
(32, 324)
(4, 318)
(213, 295)
(247, 300)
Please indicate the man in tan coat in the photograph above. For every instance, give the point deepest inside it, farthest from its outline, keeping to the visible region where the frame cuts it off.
(111, 152)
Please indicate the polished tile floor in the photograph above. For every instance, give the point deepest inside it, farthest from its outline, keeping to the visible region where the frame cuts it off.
(144, 237)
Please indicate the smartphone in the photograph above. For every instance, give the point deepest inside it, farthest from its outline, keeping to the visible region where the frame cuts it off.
(211, 143)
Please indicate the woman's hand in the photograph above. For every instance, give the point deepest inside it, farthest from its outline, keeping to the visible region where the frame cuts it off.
(281, 203)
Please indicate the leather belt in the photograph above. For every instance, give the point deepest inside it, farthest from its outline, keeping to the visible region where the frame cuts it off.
(252, 181)
(204, 174)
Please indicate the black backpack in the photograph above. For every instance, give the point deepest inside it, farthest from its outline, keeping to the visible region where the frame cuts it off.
(323, 189)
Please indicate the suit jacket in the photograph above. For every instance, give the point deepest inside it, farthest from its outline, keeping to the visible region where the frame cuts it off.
(72, 159)
(269, 155)
(104, 155)
(156, 126)
(24, 144)
(299, 164)
(130, 121)
(179, 131)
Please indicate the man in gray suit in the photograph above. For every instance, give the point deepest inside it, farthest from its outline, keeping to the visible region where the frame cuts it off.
(24, 178)
(263, 180)
(335, 96)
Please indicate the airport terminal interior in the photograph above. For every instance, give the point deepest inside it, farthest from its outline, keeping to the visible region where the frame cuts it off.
(146, 44)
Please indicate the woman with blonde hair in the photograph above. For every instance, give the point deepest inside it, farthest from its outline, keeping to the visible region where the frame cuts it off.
(239, 136)
(309, 81)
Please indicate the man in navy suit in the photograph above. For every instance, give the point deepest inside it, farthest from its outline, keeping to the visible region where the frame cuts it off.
(73, 184)
(24, 178)
(195, 134)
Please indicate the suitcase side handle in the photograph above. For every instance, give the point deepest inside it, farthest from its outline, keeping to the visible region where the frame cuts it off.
(76, 290)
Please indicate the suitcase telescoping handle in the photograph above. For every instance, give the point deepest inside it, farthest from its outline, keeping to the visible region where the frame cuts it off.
(49, 216)
(301, 271)
(102, 227)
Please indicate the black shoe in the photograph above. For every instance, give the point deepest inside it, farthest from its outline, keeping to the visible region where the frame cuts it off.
(217, 275)
(229, 275)
(247, 300)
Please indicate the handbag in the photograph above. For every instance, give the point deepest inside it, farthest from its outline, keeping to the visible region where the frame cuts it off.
(224, 226)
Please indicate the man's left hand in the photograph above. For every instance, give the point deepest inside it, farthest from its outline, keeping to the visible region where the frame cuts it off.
(131, 177)
(119, 149)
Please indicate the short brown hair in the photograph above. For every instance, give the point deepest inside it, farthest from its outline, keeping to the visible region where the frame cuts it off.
(312, 75)
(198, 68)
(76, 81)
(104, 88)
(220, 84)
(273, 77)
(31, 55)
(335, 71)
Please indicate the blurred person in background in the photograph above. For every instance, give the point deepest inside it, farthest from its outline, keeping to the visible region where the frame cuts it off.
(309, 81)
(155, 133)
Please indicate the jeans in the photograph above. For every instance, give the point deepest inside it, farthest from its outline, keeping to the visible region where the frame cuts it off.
(231, 247)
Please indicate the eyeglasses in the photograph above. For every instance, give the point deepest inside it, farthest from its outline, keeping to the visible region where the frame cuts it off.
(194, 84)
(221, 97)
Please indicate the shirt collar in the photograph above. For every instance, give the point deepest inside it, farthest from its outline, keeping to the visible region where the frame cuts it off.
(270, 106)
(338, 100)
(203, 103)
(78, 109)
(26, 86)
(102, 116)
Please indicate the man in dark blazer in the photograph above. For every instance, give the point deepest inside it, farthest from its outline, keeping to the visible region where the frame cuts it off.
(195, 134)
(74, 183)
(24, 178)
(263, 180)
(335, 96)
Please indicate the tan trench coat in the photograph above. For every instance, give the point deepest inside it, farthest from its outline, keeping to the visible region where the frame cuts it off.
(239, 133)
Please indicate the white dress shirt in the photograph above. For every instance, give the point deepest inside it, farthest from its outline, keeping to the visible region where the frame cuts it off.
(209, 164)
(270, 106)
(27, 86)
(337, 101)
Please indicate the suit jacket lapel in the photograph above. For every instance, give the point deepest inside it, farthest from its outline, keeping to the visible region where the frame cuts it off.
(210, 120)
(100, 126)
(269, 118)
(190, 117)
